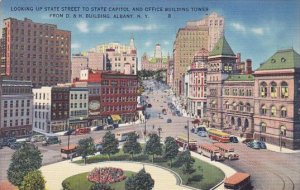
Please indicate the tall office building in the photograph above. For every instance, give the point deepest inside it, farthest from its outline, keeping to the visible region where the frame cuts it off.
(190, 39)
(35, 52)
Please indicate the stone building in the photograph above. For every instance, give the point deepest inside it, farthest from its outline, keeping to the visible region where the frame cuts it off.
(155, 63)
(277, 100)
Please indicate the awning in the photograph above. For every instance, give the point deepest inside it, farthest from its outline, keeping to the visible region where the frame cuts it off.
(115, 117)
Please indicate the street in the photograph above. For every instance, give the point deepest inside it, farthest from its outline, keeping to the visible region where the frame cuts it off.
(269, 170)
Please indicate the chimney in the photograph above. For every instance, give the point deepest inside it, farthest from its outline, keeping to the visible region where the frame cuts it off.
(248, 66)
(242, 67)
(238, 57)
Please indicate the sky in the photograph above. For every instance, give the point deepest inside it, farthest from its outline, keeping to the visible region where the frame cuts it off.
(255, 28)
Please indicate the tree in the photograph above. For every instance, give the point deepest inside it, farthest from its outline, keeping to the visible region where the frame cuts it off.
(153, 146)
(86, 147)
(66, 185)
(100, 186)
(34, 180)
(142, 180)
(171, 149)
(110, 144)
(24, 160)
(185, 160)
(131, 146)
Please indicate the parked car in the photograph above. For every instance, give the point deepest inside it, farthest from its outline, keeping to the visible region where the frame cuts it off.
(99, 127)
(116, 125)
(99, 148)
(149, 105)
(247, 140)
(51, 140)
(8, 141)
(37, 138)
(202, 133)
(15, 145)
(69, 132)
(169, 120)
(233, 139)
(262, 144)
(109, 127)
(254, 145)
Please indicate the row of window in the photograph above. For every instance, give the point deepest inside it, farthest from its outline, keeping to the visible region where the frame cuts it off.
(14, 90)
(237, 92)
(273, 111)
(43, 115)
(119, 108)
(118, 90)
(120, 99)
(282, 129)
(75, 96)
(119, 58)
(16, 103)
(39, 125)
(17, 113)
(80, 105)
(79, 113)
(120, 83)
(273, 93)
(11, 124)
(234, 106)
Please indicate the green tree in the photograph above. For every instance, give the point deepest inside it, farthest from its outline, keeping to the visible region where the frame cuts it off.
(185, 160)
(153, 146)
(86, 147)
(66, 185)
(34, 180)
(170, 149)
(142, 180)
(100, 186)
(110, 144)
(131, 146)
(24, 160)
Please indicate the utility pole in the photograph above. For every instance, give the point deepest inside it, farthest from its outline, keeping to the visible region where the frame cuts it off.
(188, 133)
(145, 129)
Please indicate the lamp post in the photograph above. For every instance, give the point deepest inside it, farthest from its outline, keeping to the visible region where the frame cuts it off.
(145, 127)
(187, 127)
(159, 130)
(280, 139)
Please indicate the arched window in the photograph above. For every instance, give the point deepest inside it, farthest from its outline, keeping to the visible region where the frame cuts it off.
(282, 131)
(263, 110)
(234, 106)
(273, 111)
(284, 90)
(283, 112)
(232, 121)
(241, 105)
(213, 104)
(263, 127)
(273, 90)
(248, 107)
(263, 90)
(227, 105)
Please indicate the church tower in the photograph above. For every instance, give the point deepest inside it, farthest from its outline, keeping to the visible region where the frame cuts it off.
(221, 64)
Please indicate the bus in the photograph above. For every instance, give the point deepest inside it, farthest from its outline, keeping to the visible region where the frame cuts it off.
(84, 130)
(123, 136)
(218, 135)
(69, 152)
(227, 151)
(182, 141)
(238, 181)
(210, 151)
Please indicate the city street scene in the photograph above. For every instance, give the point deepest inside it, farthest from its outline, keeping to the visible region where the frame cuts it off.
(141, 95)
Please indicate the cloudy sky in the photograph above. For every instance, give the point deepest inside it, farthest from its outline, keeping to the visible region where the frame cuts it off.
(255, 28)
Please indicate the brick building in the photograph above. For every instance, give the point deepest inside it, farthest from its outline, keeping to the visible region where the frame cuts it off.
(40, 53)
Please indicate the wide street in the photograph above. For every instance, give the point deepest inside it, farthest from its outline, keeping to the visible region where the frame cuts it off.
(269, 170)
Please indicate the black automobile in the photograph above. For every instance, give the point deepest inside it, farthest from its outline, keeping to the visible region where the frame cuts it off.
(233, 139)
(8, 141)
(69, 132)
(169, 120)
(149, 105)
(51, 140)
(115, 125)
(15, 145)
(99, 127)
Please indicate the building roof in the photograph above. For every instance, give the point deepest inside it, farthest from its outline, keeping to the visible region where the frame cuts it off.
(282, 59)
(240, 77)
(222, 48)
(236, 178)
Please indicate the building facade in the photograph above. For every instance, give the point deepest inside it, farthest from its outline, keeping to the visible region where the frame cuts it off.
(277, 100)
(196, 99)
(79, 62)
(155, 63)
(194, 36)
(59, 108)
(40, 53)
(16, 108)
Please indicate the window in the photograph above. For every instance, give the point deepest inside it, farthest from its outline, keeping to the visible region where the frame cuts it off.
(241, 106)
(5, 113)
(263, 110)
(283, 112)
(273, 90)
(234, 92)
(263, 90)
(263, 127)
(234, 106)
(5, 104)
(227, 105)
(273, 111)
(284, 90)
(248, 107)
(226, 92)
(11, 104)
(241, 92)
(282, 131)
(28, 103)
(27, 112)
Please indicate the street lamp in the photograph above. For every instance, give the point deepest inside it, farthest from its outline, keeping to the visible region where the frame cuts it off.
(159, 130)
(280, 139)
(145, 129)
(187, 127)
